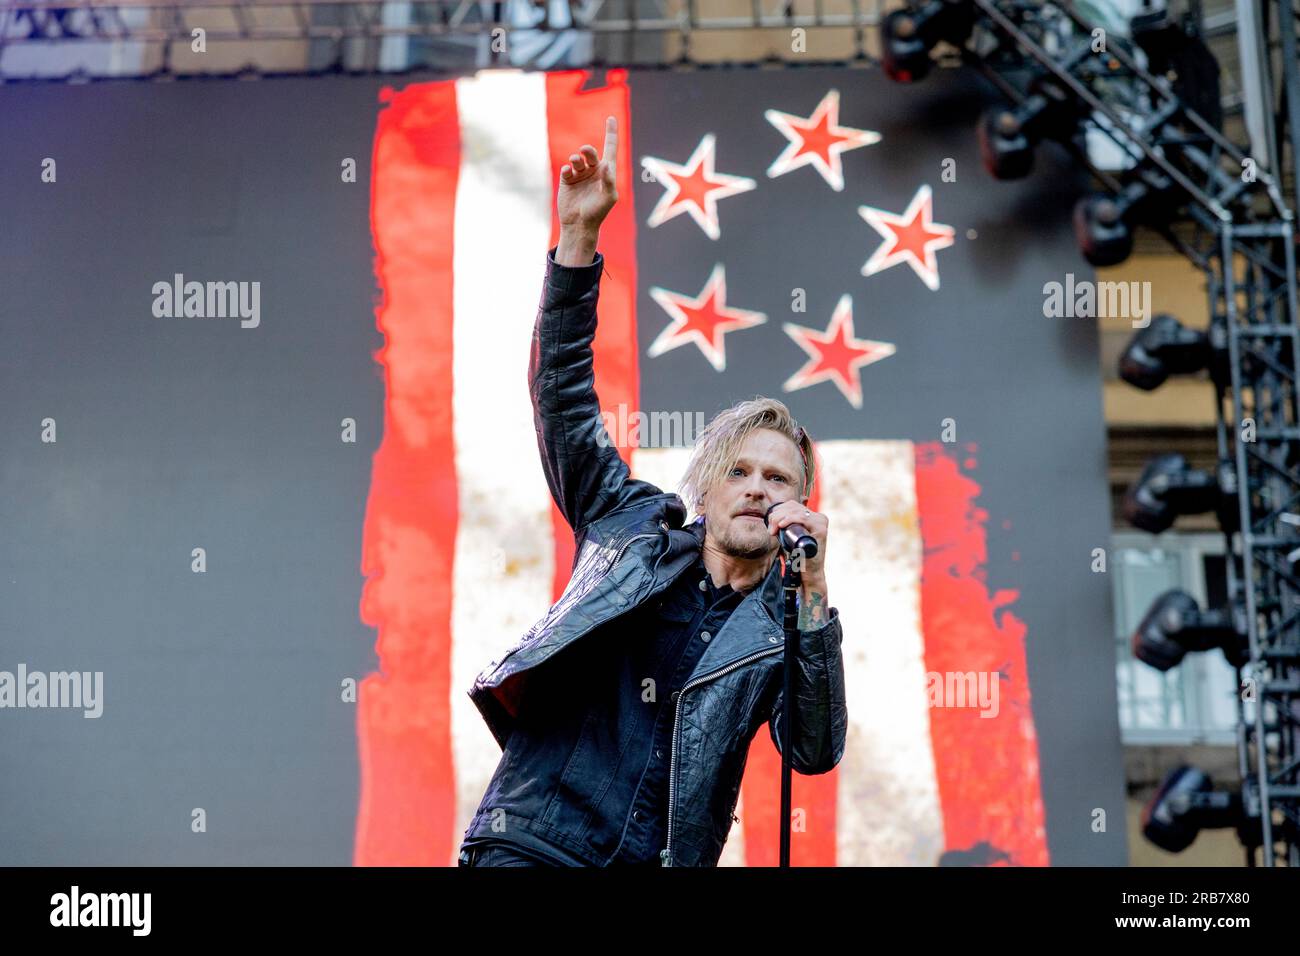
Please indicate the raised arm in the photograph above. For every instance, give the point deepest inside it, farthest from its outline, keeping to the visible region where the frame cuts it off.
(587, 476)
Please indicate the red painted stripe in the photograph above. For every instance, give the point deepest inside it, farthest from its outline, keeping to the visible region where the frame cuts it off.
(813, 799)
(986, 768)
(407, 807)
(575, 117)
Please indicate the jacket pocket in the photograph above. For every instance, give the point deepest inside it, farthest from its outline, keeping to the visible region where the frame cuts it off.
(586, 778)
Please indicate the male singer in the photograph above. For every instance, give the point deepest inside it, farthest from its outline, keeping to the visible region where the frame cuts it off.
(626, 713)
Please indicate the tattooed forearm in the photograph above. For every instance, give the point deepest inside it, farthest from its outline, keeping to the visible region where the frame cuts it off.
(812, 610)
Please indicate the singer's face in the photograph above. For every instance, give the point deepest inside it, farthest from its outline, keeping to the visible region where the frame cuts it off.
(768, 470)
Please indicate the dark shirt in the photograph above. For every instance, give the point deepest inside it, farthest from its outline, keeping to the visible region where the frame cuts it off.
(583, 780)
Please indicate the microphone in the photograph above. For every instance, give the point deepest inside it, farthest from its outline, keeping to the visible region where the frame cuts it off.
(795, 537)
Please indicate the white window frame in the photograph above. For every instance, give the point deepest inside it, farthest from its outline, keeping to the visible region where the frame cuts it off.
(1202, 675)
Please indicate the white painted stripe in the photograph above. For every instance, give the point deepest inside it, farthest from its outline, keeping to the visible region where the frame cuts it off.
(662, 467)
(504, 544)
(888, 802)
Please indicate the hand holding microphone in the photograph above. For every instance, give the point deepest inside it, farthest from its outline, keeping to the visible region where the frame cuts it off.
(791, 529)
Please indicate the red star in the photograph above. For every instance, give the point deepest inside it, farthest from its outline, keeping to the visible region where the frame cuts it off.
(703, 319)
(694, 188)
(818, 140)
(835, 354)
(911, 238)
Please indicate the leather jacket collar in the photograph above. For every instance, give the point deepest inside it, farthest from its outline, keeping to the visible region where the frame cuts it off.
(769, 591)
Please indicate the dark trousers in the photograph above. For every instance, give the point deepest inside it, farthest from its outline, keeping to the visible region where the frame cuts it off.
(497, 854)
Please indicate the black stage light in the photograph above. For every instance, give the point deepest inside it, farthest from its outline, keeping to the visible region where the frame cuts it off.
(1008, 134)
(1167, 488)
(1005, 147)
(1165, 347)
(905, 56)
(1104, 238)
(1186, 804)
(1175, 625)
(908, 36)
(1103, 224)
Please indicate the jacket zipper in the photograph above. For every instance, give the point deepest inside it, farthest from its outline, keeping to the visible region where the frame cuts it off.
(666, 854)
(626, 545)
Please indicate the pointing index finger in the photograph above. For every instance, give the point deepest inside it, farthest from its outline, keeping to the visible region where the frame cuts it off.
(610, 154)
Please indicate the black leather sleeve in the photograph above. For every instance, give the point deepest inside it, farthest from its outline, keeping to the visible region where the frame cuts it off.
(584, 470)
(821, 716)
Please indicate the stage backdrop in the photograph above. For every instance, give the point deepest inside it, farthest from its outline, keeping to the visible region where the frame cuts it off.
(282, 523)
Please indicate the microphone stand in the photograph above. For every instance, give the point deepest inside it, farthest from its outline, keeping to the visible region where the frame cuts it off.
(790, 584)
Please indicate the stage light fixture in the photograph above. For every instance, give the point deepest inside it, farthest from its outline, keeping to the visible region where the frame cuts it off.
(1104, 237)
(1186, 804)
(1103, 223)
(1004, 140)
(1168, 487)
(1008, 135)
(1175, 625)
(1165, 347)
(908, 36)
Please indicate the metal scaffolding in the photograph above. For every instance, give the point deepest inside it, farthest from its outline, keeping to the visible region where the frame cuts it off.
(258, 20)
(163, 39)
(1241, 231)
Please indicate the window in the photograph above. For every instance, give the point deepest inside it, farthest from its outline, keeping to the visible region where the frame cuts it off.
(1196, 701)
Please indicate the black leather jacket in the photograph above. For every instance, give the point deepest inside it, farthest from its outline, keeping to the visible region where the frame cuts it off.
(630, 547)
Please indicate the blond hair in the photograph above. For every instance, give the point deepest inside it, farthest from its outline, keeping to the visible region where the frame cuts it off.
(718, 446)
